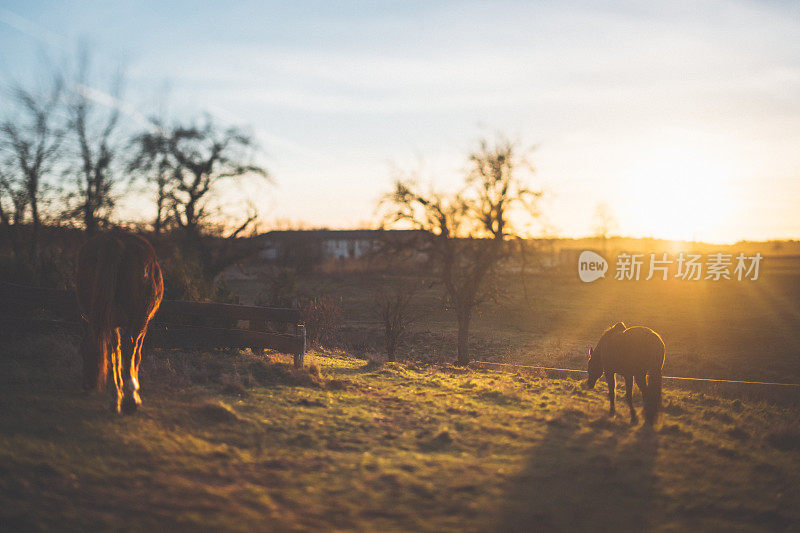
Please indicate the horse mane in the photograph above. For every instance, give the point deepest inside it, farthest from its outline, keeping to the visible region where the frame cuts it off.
(619, 327)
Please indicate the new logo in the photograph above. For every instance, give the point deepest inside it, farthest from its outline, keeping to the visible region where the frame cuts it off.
(591, 266)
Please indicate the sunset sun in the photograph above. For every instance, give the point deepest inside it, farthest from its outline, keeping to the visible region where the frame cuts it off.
(678, 193)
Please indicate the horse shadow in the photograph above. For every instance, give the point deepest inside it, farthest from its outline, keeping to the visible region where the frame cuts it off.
(585, 481)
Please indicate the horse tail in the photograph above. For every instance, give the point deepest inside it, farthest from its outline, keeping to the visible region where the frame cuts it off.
(101, 311)
(652, 398)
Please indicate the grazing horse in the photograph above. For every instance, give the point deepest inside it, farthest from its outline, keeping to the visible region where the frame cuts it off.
(119, 289)
(636, 353)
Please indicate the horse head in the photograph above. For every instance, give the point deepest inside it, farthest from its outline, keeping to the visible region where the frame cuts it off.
(595, 367)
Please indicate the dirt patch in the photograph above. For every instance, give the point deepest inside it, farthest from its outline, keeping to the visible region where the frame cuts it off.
(234, 389)
(306, 402)
(718, 415)
(675, 430)
(440, 441)
(271, 374)
(672, 408)
(371, 365)
(786, 440)
(340, 384)
(499, 397)
(604, 423)
(216, 413)
(737, 433)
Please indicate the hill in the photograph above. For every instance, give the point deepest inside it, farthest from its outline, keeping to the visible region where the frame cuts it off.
(242, 442)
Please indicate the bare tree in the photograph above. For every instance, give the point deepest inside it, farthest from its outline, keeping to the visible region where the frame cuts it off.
(152, 159)
(30, 141)
(161, 180)
(394, 310)
(192, 161)
(13, 206)
(203, 156)
(94, 121)
(466, 235)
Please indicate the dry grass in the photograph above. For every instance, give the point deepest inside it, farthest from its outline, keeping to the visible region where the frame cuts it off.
(378, 447)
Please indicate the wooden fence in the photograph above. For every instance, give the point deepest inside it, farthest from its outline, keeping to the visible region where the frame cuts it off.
(178, 324)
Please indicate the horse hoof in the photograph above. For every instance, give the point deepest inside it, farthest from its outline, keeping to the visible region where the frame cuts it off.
(129, 406)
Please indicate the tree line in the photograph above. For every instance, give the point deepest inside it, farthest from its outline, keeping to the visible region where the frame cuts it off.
(69, 152)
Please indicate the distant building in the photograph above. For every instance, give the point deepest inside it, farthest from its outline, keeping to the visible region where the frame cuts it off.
(305, 249)
(316, 245)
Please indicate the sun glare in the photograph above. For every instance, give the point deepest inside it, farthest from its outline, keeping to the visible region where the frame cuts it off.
(678, 193)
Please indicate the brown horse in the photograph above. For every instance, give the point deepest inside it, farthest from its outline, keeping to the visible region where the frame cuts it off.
(636, 353)
(119, 288)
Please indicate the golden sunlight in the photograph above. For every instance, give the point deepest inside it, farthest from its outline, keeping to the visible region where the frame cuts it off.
(679, 192)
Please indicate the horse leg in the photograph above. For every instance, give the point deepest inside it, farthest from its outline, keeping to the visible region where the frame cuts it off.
(611, 379)
(138, 351)
(131, 343)
(629, 397)
(116, 370)
(641, 381)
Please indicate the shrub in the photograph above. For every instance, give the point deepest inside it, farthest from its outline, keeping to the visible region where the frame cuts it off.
(322, 316)
(394, 311)
(281, 289)
(184, 280)
(54, 269)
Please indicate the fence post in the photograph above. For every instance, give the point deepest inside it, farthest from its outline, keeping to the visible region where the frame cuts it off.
(300, 331)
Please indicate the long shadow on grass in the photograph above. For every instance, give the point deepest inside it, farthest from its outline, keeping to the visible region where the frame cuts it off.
(598, 480)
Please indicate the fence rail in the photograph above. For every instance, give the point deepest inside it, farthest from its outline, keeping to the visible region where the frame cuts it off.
(24, 308)
(782, 392)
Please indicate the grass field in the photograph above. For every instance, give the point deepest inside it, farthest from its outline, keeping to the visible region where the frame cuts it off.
(231, 440)
(713, 329)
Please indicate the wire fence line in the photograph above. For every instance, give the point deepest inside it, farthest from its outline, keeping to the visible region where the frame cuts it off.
(561, 372)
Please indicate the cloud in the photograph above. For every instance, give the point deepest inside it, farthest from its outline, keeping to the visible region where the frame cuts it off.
(112, 102)
(31, 28)
(271, 140)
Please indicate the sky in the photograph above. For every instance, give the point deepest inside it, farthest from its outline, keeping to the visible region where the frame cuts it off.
(682, 117)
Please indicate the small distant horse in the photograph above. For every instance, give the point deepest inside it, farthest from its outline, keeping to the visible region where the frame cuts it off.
(636, 353)
(119, 288)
